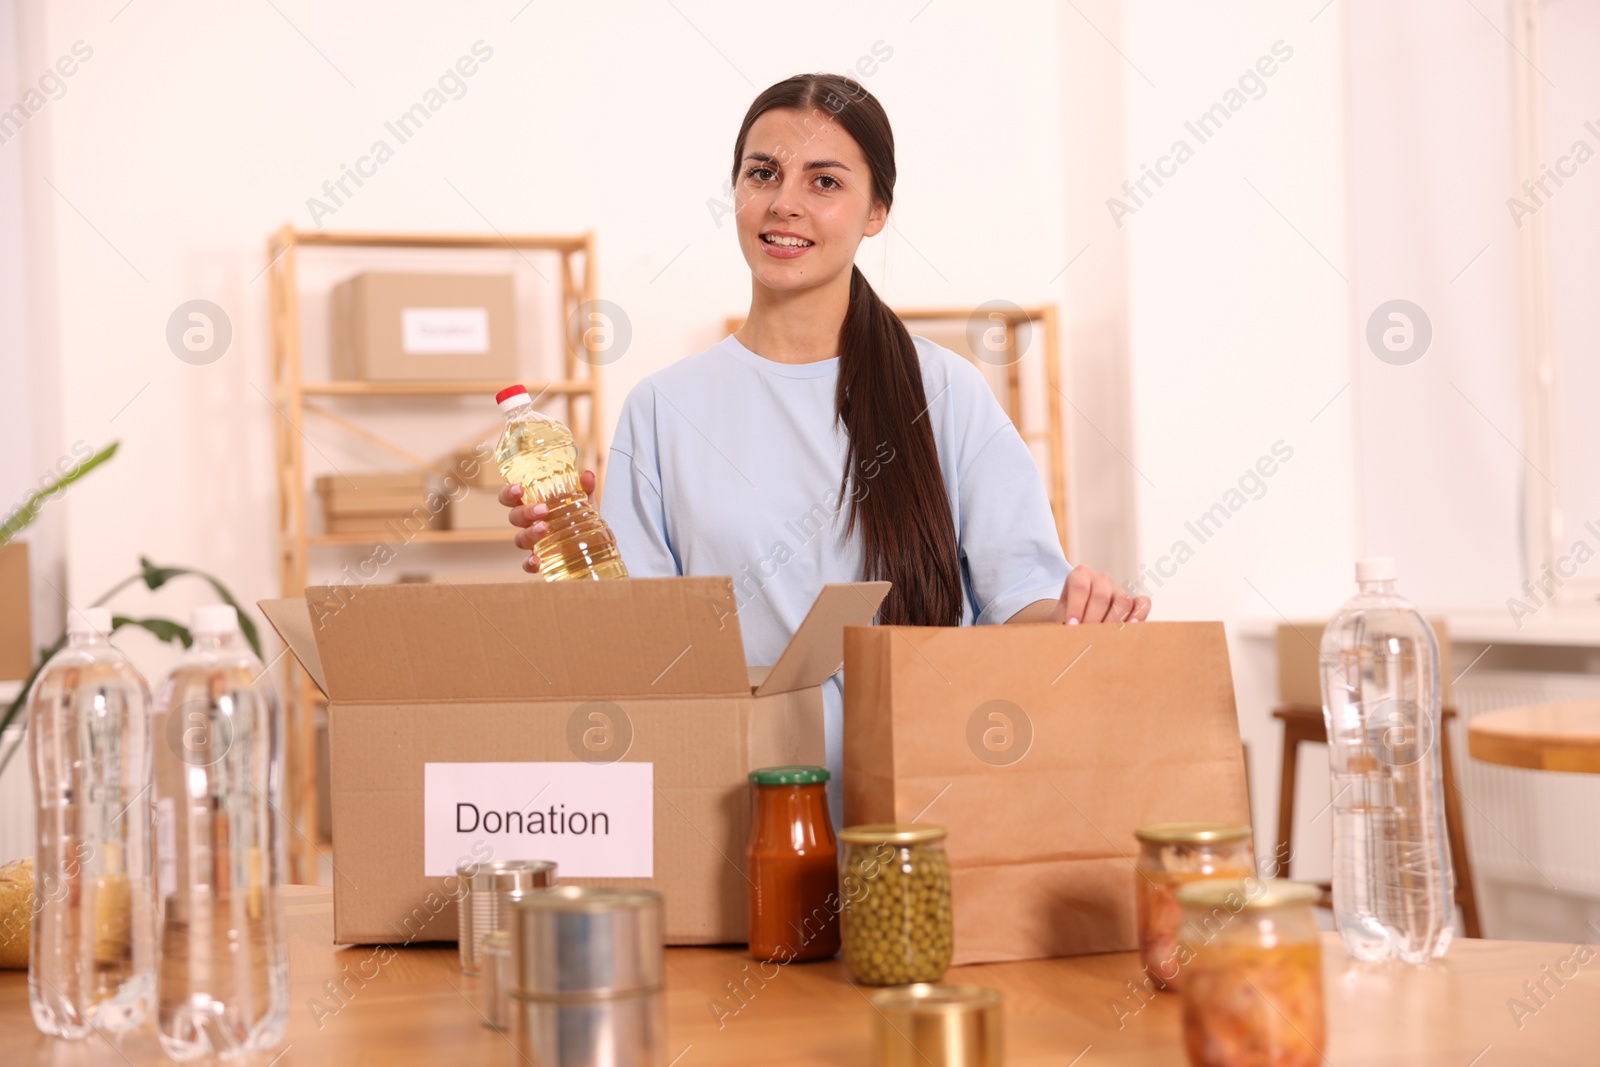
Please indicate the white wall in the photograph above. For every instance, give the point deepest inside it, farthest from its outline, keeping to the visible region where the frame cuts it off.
(1240, 331)
(1440, 472)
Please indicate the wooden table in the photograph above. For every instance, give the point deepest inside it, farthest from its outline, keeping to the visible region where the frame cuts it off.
(1543, 737)
(418, 1009)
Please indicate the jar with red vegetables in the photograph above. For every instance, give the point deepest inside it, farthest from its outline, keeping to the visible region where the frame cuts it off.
(1172, 855)
(1252, 991)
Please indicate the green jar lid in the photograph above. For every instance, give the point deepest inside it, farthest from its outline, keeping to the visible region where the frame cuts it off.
(797, 775)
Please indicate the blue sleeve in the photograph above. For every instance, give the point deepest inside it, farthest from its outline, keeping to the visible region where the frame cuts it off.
(1006, 531)
(631, 500)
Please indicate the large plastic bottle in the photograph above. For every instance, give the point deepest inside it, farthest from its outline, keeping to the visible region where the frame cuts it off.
(1392, 879)
(539, 454)
(221, 851)
(91, 961)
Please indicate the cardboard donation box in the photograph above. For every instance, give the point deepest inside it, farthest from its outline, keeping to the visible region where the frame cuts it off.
(607, 726)
(1042, 748)
(424, 327)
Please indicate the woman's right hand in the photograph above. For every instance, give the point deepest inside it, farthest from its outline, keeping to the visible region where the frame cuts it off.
(530, 518)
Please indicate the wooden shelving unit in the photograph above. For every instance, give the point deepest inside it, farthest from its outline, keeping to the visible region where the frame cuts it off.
(580, 382)
(1052, 434)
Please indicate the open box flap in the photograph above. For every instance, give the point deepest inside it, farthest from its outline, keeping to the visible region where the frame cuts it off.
(445, 643)
(817, 649)
(292, 619)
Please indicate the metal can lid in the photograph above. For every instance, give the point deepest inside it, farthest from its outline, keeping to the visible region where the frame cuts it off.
(588, 898)
(514, 875)
(1236, 894)
(1191, 833)
(930, 997)
(791, 775)
(892, 834)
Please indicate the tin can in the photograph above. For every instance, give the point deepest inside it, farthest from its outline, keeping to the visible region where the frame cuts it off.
(587, 966)
(620, 1031)
(928, 1025)
(490, 889)
(595, 942)
(495, 960)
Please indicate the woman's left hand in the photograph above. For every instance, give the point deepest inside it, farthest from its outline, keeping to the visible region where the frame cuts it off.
(1094, 596)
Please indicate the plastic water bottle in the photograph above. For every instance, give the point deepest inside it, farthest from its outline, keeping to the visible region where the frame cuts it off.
(221, 852)
(539, 454)
(91, 962)
(1392, 878)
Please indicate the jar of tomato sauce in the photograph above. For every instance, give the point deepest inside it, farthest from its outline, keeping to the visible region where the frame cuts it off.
(1252, 994)
(1171, 855)
(793, 862)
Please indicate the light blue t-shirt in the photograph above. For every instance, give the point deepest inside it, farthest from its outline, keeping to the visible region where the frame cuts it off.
(727, 463)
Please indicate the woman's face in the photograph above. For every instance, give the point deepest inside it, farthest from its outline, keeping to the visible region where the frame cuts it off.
(804, 199)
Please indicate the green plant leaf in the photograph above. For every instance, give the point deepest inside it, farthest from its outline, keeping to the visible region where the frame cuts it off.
(164, 629)
(155, 577)
(21, 518)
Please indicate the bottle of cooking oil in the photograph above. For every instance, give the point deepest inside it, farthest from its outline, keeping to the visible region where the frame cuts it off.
(539, 454)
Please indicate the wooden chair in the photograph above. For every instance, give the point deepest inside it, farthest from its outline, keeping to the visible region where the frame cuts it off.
(1306, 724)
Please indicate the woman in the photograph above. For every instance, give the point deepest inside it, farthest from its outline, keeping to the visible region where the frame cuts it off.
(822, 442)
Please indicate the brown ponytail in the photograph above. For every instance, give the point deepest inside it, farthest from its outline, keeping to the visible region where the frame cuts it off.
(903, 512)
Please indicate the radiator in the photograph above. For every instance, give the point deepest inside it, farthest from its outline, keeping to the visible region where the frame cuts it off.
(1535, 830)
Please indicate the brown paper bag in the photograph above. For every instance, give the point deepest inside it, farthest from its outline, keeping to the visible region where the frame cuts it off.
(1041, 748)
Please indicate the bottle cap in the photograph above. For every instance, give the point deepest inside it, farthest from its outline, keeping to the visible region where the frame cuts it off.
(1375, 569)
(89, 621)
(511, 396)
(215, 619)
(794, 775)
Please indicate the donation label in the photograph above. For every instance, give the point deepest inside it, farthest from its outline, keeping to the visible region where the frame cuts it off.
(444, 331)
(593, 820)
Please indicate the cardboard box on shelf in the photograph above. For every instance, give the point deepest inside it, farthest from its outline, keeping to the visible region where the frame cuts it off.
(608, 726)
(476, 467)
(424, 327)
(1041, 749)
(16, 613)
(368, 502)
(477, 509)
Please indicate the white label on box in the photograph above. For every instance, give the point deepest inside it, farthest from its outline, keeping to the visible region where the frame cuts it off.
(444, 331)
(594, 820)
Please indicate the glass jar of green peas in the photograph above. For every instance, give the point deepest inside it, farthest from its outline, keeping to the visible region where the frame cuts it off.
(896, 888)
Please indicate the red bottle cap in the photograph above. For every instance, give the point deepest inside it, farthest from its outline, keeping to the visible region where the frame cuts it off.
(508, 392)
